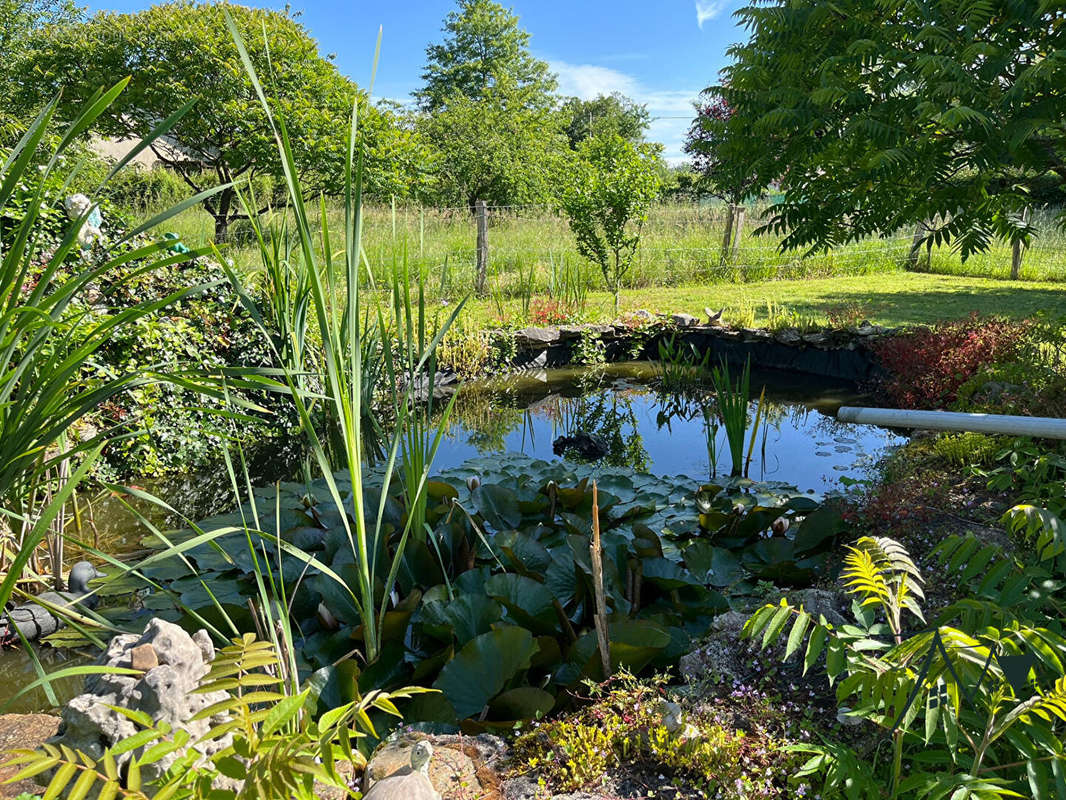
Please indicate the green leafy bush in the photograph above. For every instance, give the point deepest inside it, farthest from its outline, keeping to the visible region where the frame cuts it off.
(972, 709)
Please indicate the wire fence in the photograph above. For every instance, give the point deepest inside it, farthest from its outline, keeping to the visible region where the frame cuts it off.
(531, 250)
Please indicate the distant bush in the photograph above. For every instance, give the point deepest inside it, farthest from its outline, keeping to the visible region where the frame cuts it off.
(138, 189)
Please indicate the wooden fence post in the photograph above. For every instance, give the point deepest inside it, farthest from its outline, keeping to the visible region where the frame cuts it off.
(482, 247)
(1017, 251)
(727, 237)
(916, 245)
(740, 230)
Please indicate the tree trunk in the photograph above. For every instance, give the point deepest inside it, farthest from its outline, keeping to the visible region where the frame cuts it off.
(1017, 252)
(916, 245)
(740, 230)
(222, 215)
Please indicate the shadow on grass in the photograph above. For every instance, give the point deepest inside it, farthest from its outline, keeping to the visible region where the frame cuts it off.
(923, 304)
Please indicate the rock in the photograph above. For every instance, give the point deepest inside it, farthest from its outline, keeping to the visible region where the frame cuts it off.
(830, 605)
(462, 766)
(994, 392)
(789, 336)
(537, 336)
(815, 338)
(719, 655)
(866, 329)
(143, 657)
(164, 692)
(587, 446)
(23, 731)
(682, 320)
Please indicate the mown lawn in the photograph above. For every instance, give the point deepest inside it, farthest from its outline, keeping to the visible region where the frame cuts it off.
(895, 298)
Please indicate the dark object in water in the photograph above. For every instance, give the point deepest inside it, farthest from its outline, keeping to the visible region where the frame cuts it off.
(586, 446)
(34, 620)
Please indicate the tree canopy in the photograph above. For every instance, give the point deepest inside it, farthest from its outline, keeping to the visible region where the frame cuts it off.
(877, 116)
(607, 192)
(483, 49)
(178, 51)
(21, 18)
(494, 149)
(604, 115)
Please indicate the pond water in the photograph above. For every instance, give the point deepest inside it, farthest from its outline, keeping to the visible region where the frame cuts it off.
(802, 444)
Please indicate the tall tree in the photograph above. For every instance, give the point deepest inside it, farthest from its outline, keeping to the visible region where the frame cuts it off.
(178, 51)
(483, 48)
(603, 115)
(721, 173)
(878, 116)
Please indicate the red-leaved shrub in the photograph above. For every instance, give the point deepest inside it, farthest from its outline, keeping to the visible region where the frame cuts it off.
(547, 312)
(928, 365)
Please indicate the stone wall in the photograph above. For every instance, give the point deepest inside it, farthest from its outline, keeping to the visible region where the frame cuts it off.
(842, 354)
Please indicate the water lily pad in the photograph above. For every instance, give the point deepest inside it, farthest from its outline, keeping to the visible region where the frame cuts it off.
(484, 666)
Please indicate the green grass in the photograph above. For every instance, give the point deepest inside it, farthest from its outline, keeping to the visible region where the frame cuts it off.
(896, 298)
(678, 269)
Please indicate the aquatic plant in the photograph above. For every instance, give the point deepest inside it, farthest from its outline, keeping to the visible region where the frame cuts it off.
(681, 367)
(336, 305)
(731, 402)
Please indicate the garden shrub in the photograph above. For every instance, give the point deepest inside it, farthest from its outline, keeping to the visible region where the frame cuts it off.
(928, 366)
(161, 423)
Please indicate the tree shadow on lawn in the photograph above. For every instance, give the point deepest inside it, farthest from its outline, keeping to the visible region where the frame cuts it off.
(927, 306)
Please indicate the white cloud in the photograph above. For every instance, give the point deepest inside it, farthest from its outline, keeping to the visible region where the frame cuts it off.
(709, 9)
(670, 109)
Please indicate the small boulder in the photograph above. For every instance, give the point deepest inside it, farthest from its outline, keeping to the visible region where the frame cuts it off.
(165, 692)
(533, 337)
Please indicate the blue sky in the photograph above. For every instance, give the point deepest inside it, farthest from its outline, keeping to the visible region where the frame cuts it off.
(661, 54)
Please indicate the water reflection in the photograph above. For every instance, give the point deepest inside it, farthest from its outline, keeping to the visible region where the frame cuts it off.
(800, 441)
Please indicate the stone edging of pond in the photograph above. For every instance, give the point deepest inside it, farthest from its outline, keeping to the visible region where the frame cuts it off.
(842, 353)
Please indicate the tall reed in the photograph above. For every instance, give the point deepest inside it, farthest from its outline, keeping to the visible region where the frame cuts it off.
(732, 401)
(334, 270)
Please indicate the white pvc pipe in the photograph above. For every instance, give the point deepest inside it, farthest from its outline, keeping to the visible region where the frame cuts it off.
(1038, 427)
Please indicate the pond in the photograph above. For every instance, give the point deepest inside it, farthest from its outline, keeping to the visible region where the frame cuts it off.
(801, 444)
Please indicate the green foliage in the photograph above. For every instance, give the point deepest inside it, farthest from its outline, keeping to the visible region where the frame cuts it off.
(606, 198)
(173, 50)
(878, 117)
(604, 115)
(1033, 472)
(278, 749)
(731, 402)
(493, 148)
(57, 327)
(484, 49)
(680, 367)
(589, 349)
(967, 449)
(503, 569)
(973, 710)
(21, 19)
